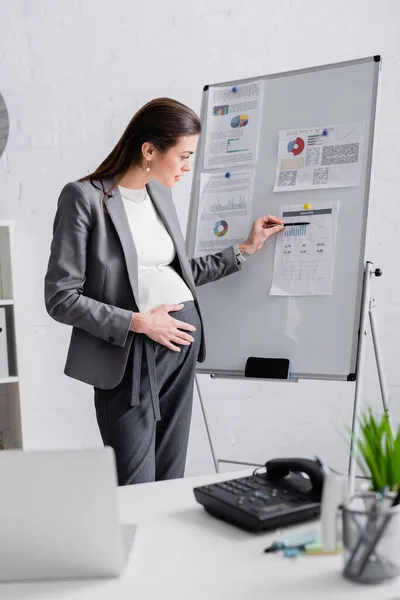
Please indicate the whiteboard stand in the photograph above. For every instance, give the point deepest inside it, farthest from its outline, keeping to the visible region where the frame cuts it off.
(368, 308)
(215, 461)
(336, 355)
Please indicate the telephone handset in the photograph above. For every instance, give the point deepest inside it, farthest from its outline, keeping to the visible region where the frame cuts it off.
(279, 469)
(289, 492)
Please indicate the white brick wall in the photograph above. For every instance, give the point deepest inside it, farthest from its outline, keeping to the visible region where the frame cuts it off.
(72, 74)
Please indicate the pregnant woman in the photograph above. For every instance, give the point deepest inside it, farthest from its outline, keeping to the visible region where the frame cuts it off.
(119, 275)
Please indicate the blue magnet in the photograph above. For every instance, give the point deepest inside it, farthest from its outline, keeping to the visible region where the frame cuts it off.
(325, 132)
(234, 89)
(227, 175)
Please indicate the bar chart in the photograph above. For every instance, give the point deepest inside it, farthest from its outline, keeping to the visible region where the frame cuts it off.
(295, 231)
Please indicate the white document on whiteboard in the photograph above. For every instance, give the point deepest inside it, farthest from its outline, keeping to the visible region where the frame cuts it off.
(305, 254)
(319, 157)
(233, 125)
(225, 213)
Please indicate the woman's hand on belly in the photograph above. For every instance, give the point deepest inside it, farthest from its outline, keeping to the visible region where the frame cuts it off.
(159, 326)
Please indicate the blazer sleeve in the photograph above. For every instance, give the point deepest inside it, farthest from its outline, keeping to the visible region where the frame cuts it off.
(214, 266)
(65, 277)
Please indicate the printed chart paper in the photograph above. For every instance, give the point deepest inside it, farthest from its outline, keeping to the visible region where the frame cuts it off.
(233, 124)
(305, 254)
(319, 157)
(225, 214)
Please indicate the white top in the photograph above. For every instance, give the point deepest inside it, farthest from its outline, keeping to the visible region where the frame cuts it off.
(159, 283)
(182, 552)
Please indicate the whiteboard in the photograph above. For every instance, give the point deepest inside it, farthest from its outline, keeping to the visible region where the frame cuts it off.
(319, 334)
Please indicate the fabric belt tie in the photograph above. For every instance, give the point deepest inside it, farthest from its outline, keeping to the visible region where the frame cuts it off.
(141, 341)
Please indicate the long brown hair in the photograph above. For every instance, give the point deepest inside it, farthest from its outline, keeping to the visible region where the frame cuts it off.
(161, 122)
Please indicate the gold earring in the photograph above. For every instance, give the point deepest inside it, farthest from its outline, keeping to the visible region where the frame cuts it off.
(148, 167)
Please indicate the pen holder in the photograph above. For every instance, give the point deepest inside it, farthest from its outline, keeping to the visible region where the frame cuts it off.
(371, 539)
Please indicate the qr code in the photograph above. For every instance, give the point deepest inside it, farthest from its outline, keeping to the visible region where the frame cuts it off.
(320, 176)
(287, 178)
(340, 154)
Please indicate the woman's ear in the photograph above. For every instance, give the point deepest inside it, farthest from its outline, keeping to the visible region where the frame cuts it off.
(148, 150)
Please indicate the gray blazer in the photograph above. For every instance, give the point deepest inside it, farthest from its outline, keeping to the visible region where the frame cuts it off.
(92, 282)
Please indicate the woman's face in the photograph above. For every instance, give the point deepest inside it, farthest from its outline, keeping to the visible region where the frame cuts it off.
(169, 167)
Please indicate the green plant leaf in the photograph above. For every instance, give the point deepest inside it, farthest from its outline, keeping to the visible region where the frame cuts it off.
(390, 464)
(396, 458)
(372, 466)
(378, 448)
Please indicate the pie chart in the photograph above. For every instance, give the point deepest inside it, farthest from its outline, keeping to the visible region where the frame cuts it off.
(220, 228)
(296, 146)
(239, 121)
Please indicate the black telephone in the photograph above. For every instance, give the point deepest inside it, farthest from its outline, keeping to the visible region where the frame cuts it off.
(288, 492)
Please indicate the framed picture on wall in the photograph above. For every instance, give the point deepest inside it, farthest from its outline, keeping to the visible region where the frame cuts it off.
(4, 125)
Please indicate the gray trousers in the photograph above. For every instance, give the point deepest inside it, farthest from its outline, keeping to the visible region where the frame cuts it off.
(149, 430)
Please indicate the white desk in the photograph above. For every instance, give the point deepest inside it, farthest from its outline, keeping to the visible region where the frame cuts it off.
(182, 553)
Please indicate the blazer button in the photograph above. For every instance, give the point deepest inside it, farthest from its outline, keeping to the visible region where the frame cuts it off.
(111, 339)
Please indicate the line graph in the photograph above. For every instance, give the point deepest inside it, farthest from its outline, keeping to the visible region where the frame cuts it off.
(235, 203)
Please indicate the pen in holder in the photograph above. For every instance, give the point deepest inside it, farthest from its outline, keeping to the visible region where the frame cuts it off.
(371, 538)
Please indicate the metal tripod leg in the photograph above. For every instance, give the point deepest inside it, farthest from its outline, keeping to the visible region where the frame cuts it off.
(206, 424)
(368, 306)
(355, 427)
(377, 350)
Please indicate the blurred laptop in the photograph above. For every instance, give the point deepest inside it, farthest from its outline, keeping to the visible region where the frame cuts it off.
(59, 515)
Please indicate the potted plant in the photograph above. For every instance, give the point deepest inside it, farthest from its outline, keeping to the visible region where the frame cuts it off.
(379, 452)
(371, 521)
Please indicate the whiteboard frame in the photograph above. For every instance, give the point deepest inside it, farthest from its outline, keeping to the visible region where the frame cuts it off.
(191, 228)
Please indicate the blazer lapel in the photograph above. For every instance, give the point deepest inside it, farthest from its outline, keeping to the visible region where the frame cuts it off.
(170, 220)
(116, 210)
